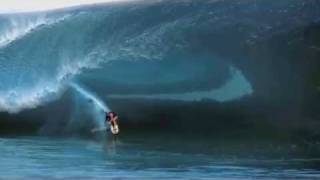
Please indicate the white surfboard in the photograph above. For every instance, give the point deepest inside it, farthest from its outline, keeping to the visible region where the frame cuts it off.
(114, 129)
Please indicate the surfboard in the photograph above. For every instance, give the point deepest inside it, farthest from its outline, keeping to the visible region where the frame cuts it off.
(114, 129)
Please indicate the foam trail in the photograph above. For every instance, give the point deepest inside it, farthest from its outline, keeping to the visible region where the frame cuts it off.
(90, 96)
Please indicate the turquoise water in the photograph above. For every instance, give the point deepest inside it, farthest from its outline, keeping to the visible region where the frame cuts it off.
(164, 64)
(138, 158)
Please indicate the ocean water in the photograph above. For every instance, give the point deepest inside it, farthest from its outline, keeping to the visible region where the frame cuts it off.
(142, 157)
(181, 75)
(168, 50)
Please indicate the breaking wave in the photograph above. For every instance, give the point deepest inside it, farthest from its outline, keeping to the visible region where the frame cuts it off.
(178, 50)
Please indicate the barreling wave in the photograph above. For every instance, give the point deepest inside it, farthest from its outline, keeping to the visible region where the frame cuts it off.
(162, 47)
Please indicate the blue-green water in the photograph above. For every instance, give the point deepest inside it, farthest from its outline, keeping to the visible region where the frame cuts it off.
(138, 158)
(242, 68)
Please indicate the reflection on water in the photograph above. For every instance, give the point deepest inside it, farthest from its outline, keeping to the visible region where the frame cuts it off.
(110, 145)
(140, 158)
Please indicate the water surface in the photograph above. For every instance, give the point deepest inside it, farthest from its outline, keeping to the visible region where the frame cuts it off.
(142, 157)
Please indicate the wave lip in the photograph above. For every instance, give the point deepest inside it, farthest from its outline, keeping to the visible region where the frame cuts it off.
(14, 6)
(24, 84)
(16, 28)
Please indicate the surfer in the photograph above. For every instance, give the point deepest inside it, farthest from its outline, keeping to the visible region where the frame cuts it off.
(112, 120)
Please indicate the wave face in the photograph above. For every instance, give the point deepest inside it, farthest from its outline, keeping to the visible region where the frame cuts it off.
(169, 50)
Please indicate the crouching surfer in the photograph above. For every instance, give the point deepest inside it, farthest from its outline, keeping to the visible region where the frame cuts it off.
(112, 120)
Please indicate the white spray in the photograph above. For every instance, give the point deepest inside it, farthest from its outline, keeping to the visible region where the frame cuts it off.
(99, 104)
